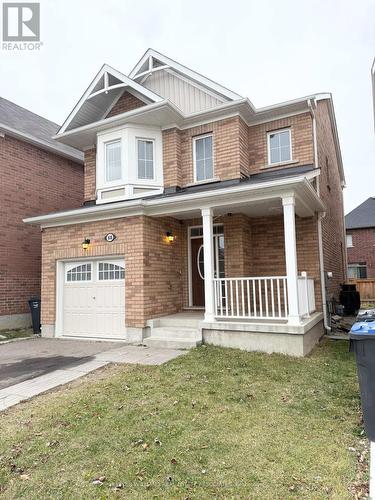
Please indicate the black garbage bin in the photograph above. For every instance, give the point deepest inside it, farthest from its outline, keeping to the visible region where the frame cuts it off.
(34, 304)
(362, 342)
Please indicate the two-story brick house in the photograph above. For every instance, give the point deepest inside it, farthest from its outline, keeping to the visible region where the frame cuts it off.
(205, 218)
(36, 174)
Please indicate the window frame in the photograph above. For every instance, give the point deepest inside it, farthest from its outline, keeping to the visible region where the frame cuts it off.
(277, 131)
(195, 139)
(349, 236)
(121, 179)
(145, 139)
(357, 266)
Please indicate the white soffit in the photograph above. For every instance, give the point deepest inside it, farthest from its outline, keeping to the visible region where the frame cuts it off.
(103, 91)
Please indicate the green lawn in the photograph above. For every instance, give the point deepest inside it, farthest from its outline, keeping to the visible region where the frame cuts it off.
(216, 423)
(15, 334)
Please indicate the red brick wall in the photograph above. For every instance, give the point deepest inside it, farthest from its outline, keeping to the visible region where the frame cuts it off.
(127, 102)
(363, 249)
(90, 174)
(153, 278)
(333, 226)
(33, 182)
(302, 141)
(239, 150)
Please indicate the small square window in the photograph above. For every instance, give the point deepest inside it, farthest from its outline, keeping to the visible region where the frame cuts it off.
(279, 146)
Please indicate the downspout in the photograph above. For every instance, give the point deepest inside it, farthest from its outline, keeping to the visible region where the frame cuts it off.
(320, 216)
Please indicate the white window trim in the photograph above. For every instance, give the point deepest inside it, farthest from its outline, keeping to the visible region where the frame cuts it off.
(195, 139)
(351, 245)
(148, 139)
(117, 181)
(287, 129)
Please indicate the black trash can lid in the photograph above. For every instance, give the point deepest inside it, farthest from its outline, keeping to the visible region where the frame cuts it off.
(363, 330)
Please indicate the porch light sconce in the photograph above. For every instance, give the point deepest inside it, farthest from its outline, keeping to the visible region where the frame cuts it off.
(85, 244)
(169, 237)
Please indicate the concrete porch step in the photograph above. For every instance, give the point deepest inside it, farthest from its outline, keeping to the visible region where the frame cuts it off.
(169, 332)
(171, 343)
(174, 321)
(173, 337)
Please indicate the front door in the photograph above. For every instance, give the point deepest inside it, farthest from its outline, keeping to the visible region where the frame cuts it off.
(197, 263)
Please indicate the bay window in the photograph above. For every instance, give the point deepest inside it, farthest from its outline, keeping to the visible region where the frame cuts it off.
(129, 163)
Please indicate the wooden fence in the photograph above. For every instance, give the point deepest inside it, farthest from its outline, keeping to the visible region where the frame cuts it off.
(366, 288)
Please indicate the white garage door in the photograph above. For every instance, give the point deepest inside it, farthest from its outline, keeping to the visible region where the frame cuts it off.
(94, 299)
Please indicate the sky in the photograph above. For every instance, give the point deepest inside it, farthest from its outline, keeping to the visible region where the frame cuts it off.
(269, 51)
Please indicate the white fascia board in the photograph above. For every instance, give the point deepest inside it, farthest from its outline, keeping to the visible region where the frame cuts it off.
(160, 206)
(78, 156)
(282, 104)
(184, 71)
(108, 69)
(121, 118)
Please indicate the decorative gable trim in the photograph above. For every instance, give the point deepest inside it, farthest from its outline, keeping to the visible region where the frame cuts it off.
(102, 93)
(153, 61)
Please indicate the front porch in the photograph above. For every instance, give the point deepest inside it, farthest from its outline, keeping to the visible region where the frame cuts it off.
(188, 329)
(278, 309)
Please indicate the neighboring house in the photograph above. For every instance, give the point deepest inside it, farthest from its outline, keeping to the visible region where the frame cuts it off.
(360, 240)
(37, 174)
(200, 204)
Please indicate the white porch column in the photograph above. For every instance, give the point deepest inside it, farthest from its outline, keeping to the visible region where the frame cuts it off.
(291, 258)
(208, 255)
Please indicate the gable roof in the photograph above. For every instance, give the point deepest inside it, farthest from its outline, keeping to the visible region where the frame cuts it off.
(106, 87)
(153, 61)
(362, 216)
(30, 127)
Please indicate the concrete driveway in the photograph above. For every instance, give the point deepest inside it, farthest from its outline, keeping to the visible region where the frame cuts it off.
(31, 367)
(32, 358)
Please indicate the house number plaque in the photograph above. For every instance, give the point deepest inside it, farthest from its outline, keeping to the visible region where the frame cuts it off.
(110, 237)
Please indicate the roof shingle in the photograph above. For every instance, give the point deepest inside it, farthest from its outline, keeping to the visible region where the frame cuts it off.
(362, 216)
(18, 119)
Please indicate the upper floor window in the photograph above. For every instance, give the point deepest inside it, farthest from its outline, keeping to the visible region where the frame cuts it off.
(203, 158)
(279, 146)
(349, 240)
(113, 161)
(145, 150)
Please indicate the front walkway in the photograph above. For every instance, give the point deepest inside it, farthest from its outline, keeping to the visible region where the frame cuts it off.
(60, 365)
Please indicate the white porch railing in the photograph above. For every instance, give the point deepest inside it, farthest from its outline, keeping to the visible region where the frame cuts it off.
(306, 295)
(251, 298)
(264, 297)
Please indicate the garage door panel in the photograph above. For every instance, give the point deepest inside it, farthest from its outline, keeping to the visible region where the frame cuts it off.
(95, 307)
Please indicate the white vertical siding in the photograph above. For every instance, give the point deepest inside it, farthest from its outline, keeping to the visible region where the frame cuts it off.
(184, 95)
